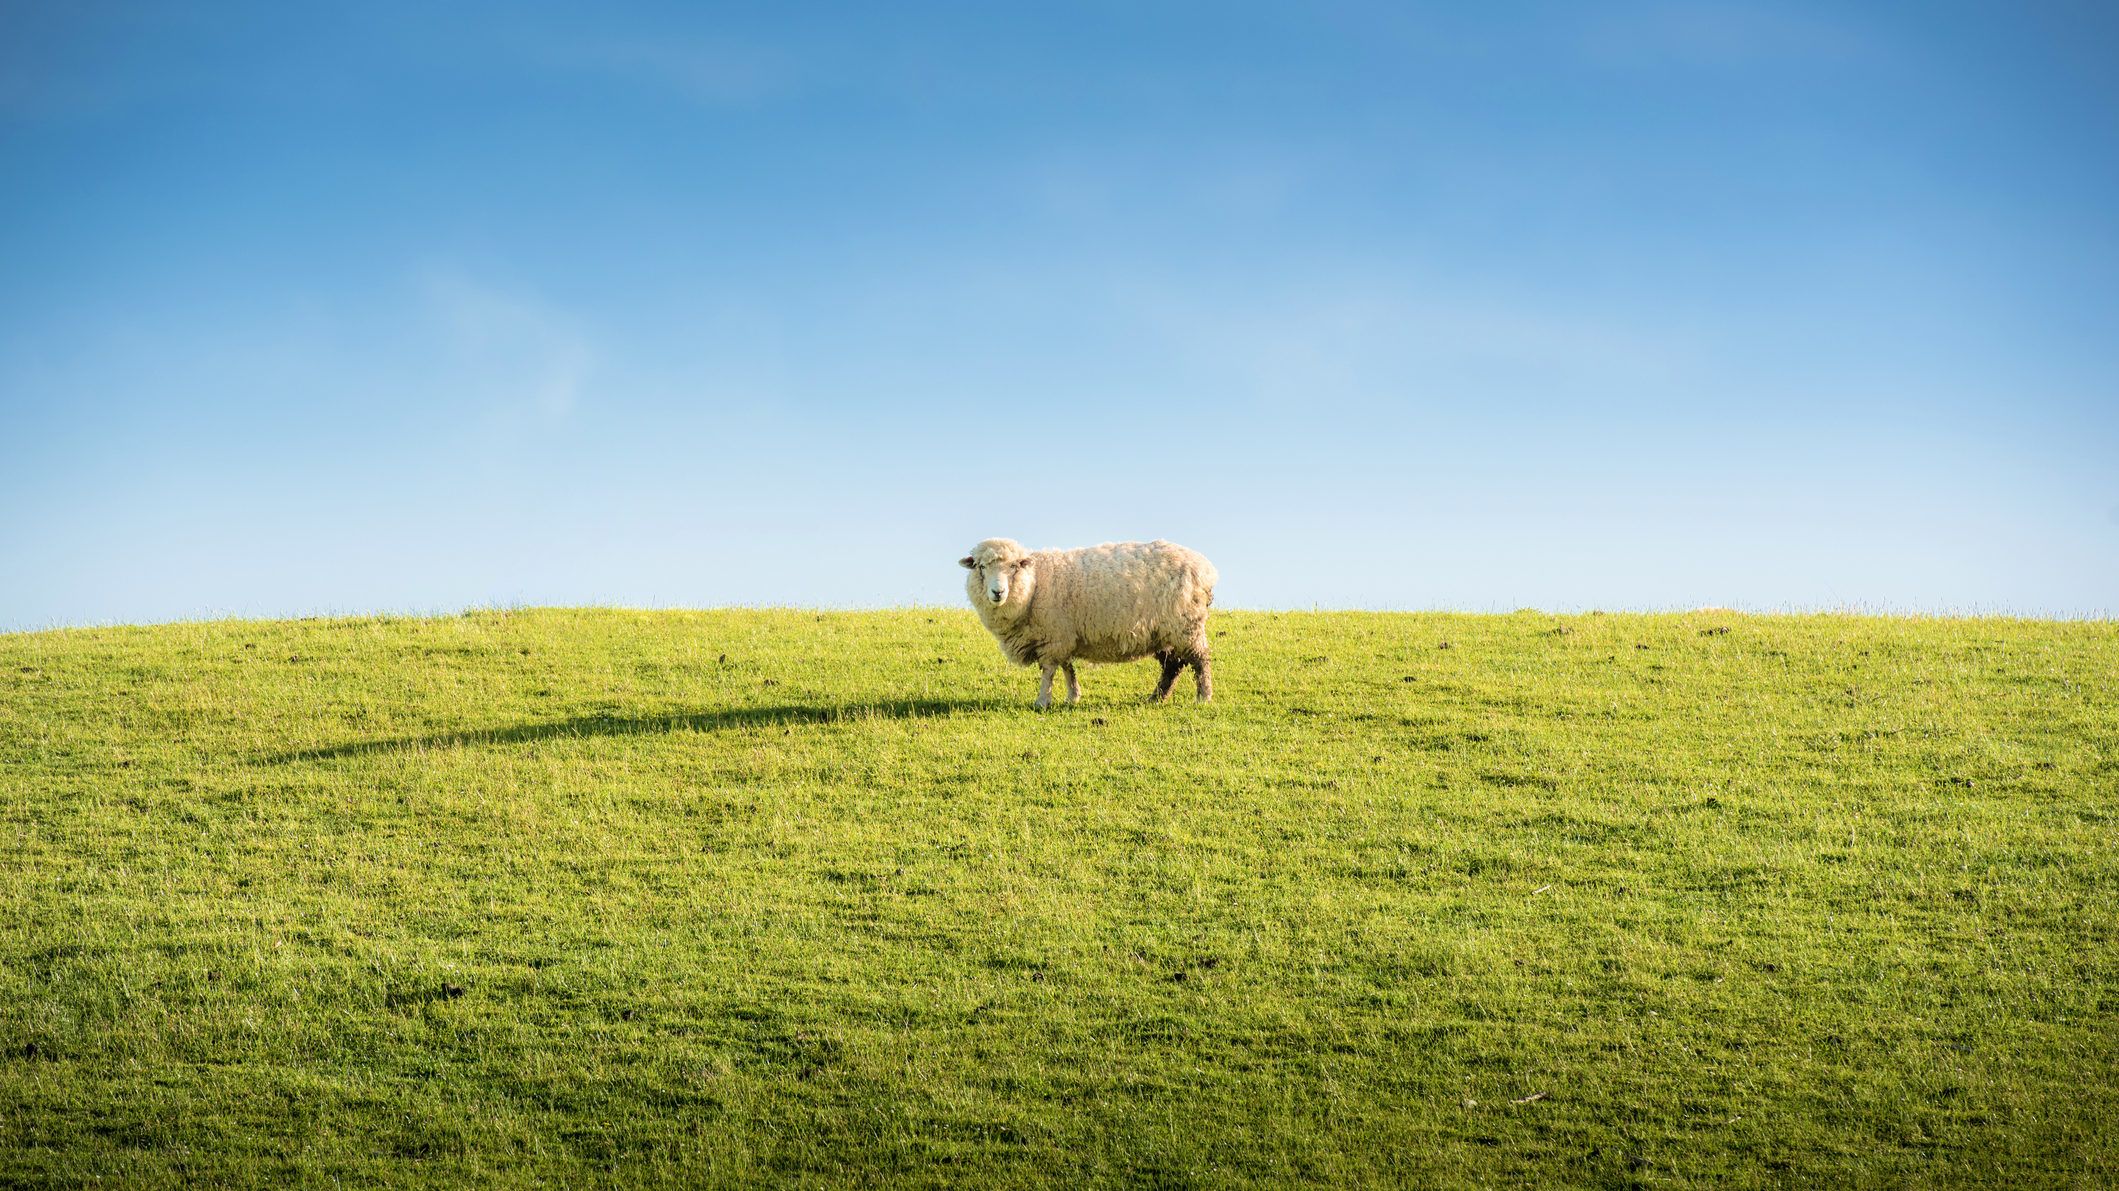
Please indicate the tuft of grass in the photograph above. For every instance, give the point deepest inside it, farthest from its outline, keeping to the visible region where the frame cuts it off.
(781, 897)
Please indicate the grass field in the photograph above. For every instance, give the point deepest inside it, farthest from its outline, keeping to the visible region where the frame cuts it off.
(779, 897)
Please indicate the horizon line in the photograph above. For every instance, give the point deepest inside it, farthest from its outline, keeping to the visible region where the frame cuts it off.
(1850, 610)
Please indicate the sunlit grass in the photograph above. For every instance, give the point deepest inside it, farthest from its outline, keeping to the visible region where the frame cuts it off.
(774, 897)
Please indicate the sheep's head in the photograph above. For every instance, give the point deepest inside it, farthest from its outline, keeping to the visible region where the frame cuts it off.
(1001, 576)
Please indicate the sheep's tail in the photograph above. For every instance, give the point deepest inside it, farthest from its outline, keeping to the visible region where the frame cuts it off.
(1207, 577)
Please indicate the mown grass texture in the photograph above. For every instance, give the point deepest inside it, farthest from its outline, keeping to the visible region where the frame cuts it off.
(786, 897)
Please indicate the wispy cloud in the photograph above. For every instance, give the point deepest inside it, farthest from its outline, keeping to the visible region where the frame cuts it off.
(1719, 35)
(510, 348)
(700, 69)
(1352, 341)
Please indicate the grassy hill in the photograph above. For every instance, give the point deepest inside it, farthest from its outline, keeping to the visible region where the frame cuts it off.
(778, 897)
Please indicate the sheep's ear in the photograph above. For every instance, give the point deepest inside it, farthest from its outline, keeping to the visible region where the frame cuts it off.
(964, 562)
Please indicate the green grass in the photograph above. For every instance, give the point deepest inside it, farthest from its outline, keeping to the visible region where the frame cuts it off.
(774, 897)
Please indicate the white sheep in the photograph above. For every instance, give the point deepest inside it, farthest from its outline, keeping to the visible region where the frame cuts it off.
(1111, 603)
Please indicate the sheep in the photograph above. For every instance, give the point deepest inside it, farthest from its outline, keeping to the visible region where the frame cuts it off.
(1117, 602)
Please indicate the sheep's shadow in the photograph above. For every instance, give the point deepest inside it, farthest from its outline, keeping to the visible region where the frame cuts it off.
(788, 714)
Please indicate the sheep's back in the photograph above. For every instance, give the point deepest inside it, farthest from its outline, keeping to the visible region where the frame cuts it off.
(1124, 600)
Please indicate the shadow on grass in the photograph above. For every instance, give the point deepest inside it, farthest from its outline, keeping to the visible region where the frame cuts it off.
(649, 725)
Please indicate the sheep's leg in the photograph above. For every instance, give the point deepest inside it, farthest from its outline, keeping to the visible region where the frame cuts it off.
(1044, 688)
(1203, 671)
(1172, 667)
(1074, 688)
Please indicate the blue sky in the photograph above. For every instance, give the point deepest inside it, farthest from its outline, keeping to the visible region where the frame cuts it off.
(1406, 306)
